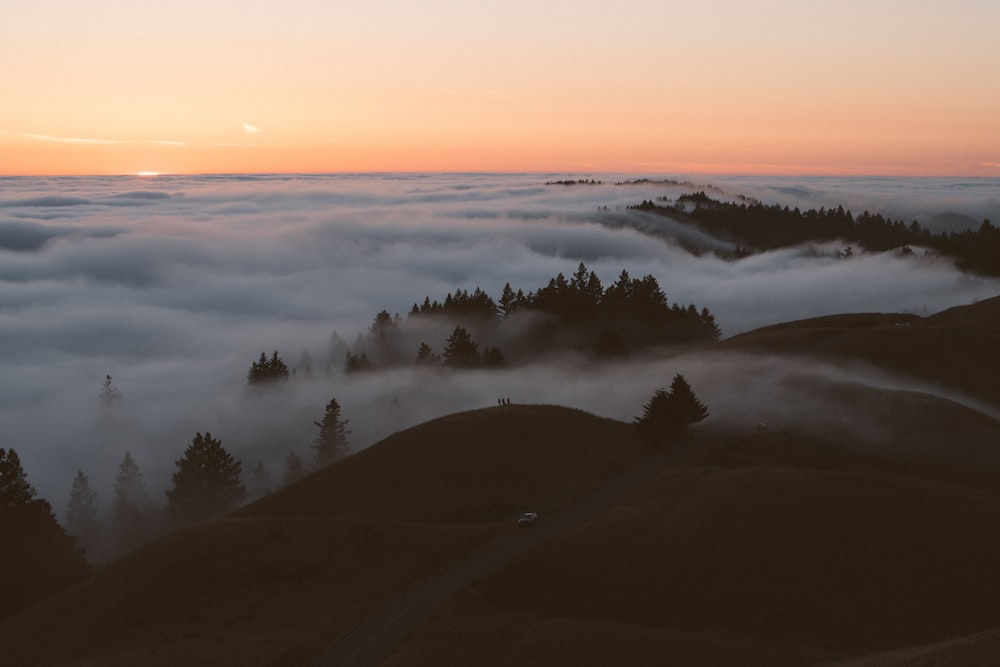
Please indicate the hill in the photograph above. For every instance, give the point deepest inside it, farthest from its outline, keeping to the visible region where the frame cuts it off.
(299, 569)
(957, 348)
(864, 532)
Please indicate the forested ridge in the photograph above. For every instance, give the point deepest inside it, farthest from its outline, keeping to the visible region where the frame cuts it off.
(756, 227)
(577, 314)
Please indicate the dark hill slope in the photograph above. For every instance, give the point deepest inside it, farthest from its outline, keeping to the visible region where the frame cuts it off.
(957, 348)
(740, 546)
(477, 466)
(295, 571)
(761, 564)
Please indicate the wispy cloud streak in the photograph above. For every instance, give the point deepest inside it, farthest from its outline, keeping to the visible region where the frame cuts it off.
(90, 140)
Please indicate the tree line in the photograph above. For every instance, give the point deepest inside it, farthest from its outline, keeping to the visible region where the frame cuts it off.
(568, 314)
(766, 227)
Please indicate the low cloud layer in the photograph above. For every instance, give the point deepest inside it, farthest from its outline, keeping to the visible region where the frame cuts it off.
(175, 285)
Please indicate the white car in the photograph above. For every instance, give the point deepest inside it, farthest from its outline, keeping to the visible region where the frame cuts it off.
(527, 519)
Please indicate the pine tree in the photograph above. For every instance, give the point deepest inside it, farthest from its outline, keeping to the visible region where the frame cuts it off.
(15, 491)
(426, 356)
(711, 327)
(331, 444)
(207, 483)
(356, 363)
(266, 371)
(461, 352)
(37, 557)
(685, 405)
(133, 517)
(667, 413)
(509, 302)
(81, 513)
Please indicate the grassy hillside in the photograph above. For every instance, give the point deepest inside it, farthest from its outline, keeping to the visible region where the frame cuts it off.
(865, 532)
(958, 348)
(295, 571)
(479, 466)
(766, 565)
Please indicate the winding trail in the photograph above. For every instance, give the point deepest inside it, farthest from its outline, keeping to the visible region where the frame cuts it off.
(378, 636)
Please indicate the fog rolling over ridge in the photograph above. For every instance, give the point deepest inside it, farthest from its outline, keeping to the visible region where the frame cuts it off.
(174, 285)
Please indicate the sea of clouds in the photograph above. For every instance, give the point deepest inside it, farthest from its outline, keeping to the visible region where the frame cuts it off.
(174, 285)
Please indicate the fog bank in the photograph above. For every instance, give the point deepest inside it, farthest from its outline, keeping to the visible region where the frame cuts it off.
(175, 285)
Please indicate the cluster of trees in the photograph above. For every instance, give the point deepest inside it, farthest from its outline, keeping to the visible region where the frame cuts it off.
(582, 302)
(576, 313)
(570, 181)
(765, 227)
(267, 370)
(207, 483)
(37, 556)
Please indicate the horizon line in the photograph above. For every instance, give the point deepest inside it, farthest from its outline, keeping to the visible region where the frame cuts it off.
(499, 172)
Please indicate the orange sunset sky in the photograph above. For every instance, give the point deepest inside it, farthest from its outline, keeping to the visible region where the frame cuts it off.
(906, 87)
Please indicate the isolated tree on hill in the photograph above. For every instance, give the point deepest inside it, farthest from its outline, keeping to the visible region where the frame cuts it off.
(460, 351)
(667, 413)
(37, 557)
(266, 371)
(331, 443)
(294, 470)
(207, 483)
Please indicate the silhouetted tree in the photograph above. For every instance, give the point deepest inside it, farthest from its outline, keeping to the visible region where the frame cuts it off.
(331, 443)
(294, 470)
(684, 404)
(667, 413)
(460, 351)
(711, 327)
(37, 557)
(266, 371)
(81, 513)
(207, 483)
(426, 356)
(133, 520)
(510, 301)
(15, 491)
(356, 363)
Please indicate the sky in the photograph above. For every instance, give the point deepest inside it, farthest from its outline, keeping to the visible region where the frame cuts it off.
(904, 87)
(174, 286)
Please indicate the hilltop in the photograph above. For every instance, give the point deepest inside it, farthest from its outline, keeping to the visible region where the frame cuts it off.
(734, 545)
(957, 348)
